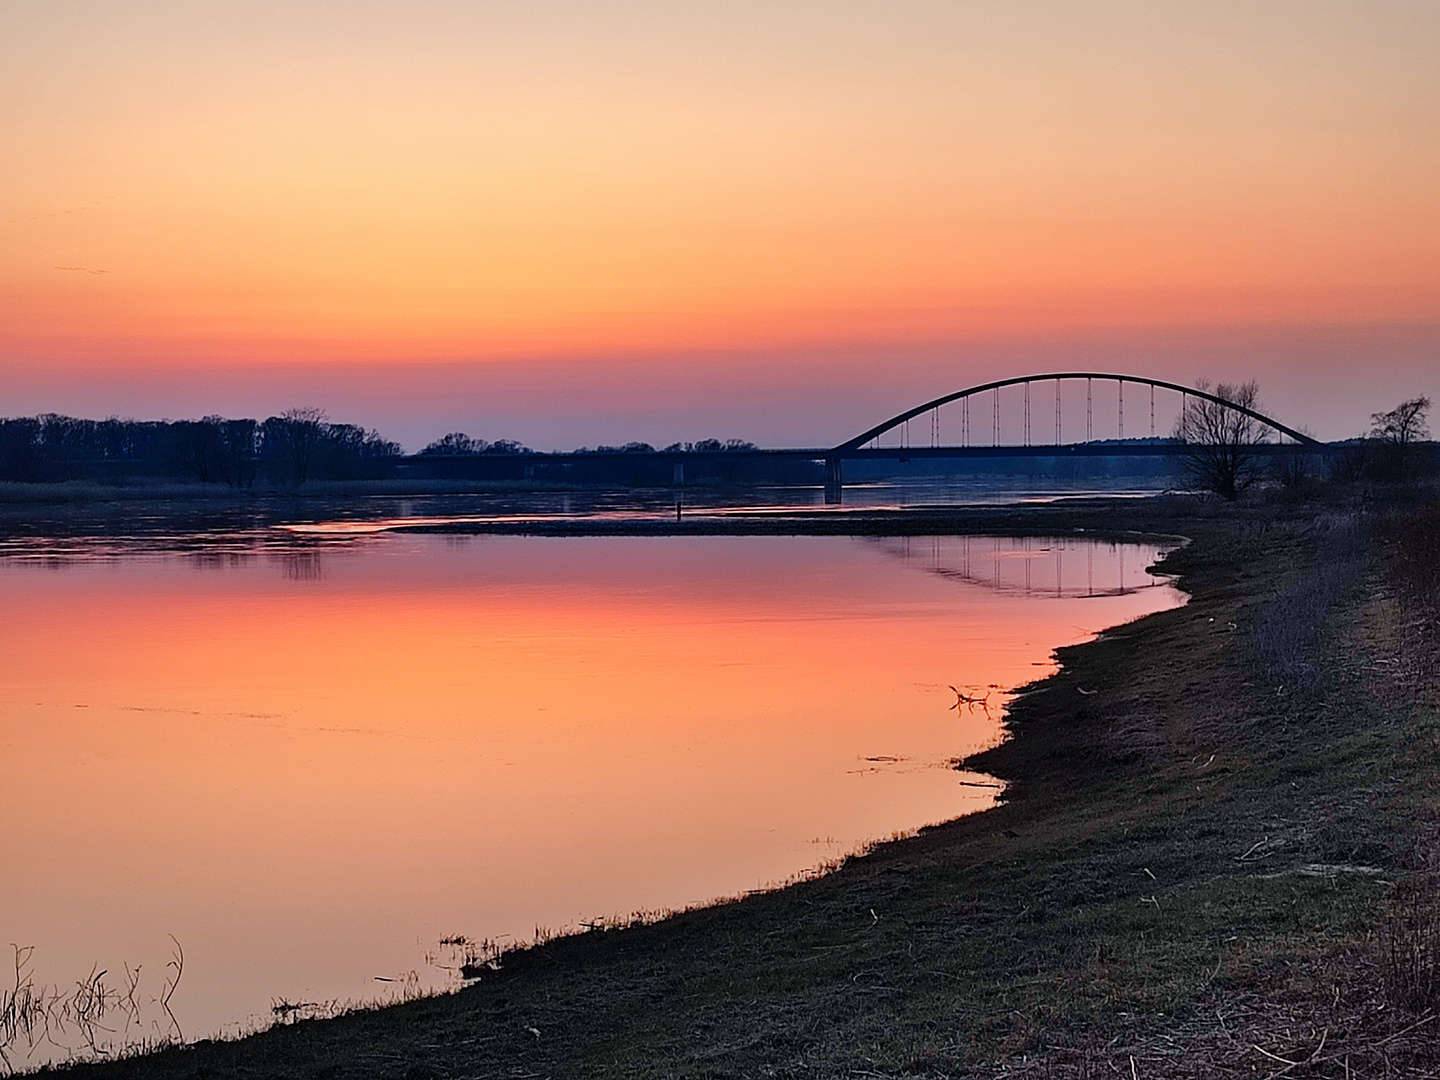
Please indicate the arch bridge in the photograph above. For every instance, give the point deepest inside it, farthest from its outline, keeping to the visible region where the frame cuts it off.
(1017, 419)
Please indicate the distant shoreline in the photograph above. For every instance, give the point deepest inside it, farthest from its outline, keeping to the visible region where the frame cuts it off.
(1088, 516)
(31, 510)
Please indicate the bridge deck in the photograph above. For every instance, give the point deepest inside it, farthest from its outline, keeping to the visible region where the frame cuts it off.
(890, 453)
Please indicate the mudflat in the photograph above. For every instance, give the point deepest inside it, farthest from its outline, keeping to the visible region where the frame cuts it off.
(1214, 859)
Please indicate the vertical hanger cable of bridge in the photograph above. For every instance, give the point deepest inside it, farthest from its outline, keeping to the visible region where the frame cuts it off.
(1121, 384)
(1089, 413)
(1057, 412)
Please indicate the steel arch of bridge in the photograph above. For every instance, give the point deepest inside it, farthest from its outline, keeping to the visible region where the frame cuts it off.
(860, 440)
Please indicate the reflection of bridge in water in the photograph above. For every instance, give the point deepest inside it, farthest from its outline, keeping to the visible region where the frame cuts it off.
(1033, 566)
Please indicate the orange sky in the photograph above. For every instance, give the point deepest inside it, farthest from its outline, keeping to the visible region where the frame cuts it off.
(621, 189)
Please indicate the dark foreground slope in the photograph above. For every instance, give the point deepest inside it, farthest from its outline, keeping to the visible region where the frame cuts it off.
(1193, 877)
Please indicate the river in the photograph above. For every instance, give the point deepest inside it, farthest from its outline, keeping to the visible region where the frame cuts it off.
(302, 763)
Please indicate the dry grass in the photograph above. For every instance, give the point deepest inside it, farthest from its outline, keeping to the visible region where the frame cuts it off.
(1286, 631)
(1412, 565)
(99, 1016)
(1410, 944)
(1367, 1004)
(1257, 1037)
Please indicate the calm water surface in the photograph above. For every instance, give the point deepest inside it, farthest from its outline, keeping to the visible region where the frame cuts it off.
(215, 527)
(309, 762)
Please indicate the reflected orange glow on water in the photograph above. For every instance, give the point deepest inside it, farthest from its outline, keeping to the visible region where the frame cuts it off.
(310, 771)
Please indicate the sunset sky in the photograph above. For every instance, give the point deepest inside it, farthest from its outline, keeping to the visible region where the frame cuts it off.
(575, 222)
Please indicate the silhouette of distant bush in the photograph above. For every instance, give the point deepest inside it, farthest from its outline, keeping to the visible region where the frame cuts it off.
(506, 446)
(456, 444)
(628, 448)
(709, 446)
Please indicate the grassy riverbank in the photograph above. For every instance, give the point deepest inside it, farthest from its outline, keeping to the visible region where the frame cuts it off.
(1194, 874)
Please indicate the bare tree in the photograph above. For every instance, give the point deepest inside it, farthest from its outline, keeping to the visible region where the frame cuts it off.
(1297, 469)
(1220, 440)
(1404, 424)
(238, 440)
(291, 439)
(197, 447)
(1396, 432)
(216, 449)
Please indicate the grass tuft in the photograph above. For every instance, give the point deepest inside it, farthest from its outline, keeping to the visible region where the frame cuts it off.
(1287, 629)
(1410, 943)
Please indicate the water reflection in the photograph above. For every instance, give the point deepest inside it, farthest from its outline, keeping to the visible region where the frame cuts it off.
(302, 565)
(61, 532)
(312, 761)
(1032, 566)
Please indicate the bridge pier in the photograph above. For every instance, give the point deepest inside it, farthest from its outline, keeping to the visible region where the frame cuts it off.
(834, 481)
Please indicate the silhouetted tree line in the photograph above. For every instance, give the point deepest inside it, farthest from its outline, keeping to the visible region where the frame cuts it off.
(283, 451)
(296, 446)
(702, 446)
(457, 456)
(711, 446)
(458, 444)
